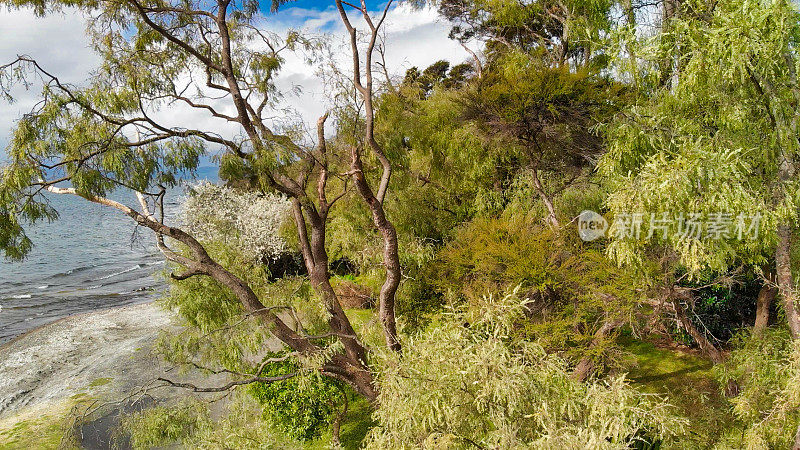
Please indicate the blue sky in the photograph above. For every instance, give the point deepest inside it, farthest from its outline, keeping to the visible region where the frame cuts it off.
(296, 13)
(320, 4)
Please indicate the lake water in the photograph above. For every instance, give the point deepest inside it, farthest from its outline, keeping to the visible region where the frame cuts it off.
(93, 257)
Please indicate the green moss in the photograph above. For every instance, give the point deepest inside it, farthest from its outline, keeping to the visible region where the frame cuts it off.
(43, 432)
(100, 382)
(687, 380)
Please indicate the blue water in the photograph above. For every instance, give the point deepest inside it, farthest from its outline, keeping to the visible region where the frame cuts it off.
(91, 258)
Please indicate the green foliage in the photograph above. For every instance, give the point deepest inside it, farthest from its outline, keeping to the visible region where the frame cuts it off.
(438, 74)
(300, 407)
(714, 138)
(545, 112)
(574, 287)
(720, 311)
(554, 31)
(466, 381)
(218, 334)
(490, 254)
(766, 369)
(190, 425)
(164, 425)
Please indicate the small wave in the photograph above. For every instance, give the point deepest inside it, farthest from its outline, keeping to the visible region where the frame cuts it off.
(96, 286)
(71, 271)
(115, 274)
(43, 286)
(156, 263)
(21, 296)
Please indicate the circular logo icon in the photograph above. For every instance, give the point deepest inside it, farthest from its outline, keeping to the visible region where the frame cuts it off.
(591, 225)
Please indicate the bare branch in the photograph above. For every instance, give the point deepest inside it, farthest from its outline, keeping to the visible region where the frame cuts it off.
(230, 385)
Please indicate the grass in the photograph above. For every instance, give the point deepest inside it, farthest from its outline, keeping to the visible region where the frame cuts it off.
(688, 382)
(100, 382)
(35, 430)
(354, 429)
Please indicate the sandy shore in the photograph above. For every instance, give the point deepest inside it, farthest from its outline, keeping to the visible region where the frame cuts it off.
(97, 352)
(104, 356)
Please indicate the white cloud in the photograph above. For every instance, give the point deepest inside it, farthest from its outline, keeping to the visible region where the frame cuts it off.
(57, 41)
(414, 38)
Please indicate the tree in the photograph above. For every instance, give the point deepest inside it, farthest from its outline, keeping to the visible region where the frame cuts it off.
(542, 88)
(466, 382)
(105, 136)
(720, 138)
(560, 32)
(544, 114)
(374, 199)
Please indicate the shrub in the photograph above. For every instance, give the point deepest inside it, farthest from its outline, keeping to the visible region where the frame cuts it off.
(491, 254)
(574, 287)
(164, 425)
(302, 406)
(766, 368)
(188, 424)
(467, 382)
(246, 221)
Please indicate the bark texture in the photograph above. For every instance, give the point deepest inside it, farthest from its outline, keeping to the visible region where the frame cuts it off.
(783, 271)
(374, 200)
(766, 296)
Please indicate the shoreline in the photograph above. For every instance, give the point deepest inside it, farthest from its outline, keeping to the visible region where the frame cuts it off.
(92, 354)
(103, 357)
(8, 343)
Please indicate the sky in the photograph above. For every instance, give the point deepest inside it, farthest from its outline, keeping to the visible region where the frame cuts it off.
(415, 38)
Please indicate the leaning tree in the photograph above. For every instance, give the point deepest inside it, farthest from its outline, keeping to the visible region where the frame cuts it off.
(118, 131)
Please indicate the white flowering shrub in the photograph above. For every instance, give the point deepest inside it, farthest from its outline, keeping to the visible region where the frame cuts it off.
(247, 221)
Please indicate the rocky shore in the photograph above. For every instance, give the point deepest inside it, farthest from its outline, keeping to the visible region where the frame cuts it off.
(75, 364)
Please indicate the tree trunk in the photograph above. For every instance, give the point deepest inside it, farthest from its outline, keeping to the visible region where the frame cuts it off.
(764, 301)
(783, 271)
(702, 341)
(552, 220)
(586, 366)
(351, 367)
(391, 256)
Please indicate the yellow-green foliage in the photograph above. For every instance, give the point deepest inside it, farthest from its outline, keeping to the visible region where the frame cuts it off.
(491, 254)
(767, 371)
(164, 425)
(712, 139)
(190, 425)
(467, 382)
(575, 288)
